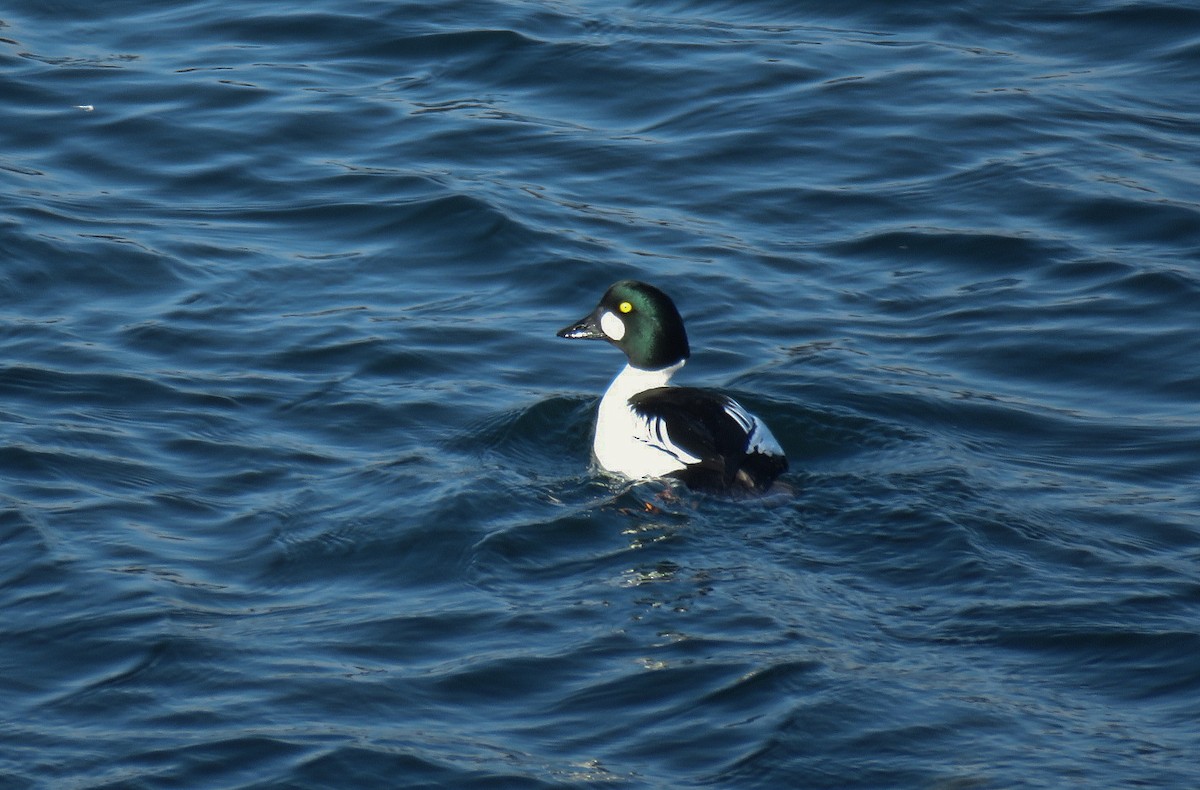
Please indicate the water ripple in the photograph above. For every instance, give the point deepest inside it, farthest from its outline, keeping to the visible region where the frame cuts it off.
(296, 481)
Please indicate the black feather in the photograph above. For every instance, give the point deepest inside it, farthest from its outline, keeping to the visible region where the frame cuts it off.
(699, 422)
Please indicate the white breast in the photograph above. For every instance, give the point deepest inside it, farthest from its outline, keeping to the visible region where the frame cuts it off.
(627, 443)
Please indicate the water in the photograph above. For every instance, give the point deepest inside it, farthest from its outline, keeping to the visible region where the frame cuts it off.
(295, 473)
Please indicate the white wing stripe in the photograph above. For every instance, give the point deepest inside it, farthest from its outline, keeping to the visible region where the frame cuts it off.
(744, 419)
(758, 436)
(653, 431)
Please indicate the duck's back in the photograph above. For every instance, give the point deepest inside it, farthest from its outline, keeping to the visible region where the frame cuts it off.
(735, 449)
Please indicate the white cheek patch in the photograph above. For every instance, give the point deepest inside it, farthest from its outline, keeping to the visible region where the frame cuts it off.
(612, 326)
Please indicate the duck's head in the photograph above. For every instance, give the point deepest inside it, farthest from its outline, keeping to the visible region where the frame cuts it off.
(640, 320)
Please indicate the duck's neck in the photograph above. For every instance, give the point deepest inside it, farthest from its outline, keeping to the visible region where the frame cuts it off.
(631, 381)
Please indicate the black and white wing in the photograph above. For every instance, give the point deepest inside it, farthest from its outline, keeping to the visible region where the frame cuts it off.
(722, 445)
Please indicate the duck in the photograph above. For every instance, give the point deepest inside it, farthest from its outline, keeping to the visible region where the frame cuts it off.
(648, 428)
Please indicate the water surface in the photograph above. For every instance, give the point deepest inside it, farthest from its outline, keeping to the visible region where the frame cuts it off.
(294, 475)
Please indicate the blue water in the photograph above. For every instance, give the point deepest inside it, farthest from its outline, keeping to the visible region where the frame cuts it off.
(294, 475)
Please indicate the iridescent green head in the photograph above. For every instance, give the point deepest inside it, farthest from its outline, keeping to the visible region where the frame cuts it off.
(640, 320)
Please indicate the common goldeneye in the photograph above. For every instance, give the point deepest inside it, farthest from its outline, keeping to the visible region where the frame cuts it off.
(646, 428)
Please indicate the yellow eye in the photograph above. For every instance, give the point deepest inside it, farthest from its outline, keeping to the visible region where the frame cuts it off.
(625, 307)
